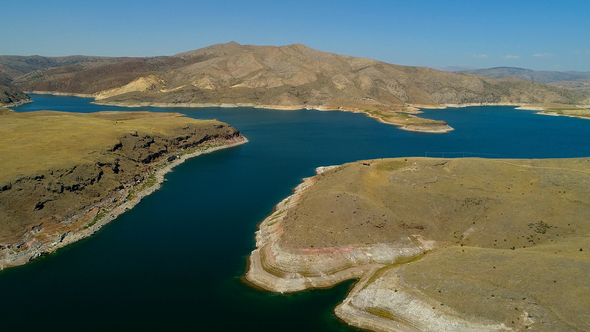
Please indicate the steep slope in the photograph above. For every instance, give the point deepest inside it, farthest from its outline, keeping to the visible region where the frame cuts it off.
(296, 76)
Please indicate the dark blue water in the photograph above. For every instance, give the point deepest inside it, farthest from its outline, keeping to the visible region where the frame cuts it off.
(175, 260)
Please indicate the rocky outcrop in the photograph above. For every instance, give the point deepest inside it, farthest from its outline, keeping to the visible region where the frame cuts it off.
(11, 96)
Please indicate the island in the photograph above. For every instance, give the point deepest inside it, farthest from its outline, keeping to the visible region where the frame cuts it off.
(462, 244)
(65, 175)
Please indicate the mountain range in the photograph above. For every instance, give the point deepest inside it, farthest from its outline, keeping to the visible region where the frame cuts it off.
(292, 76)
(531, 75)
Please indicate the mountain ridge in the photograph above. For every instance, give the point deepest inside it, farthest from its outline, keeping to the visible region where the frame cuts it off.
(542, 76)
(290, 76)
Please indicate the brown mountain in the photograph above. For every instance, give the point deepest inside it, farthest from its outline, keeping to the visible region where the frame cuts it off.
(531, 75)
(293, 76)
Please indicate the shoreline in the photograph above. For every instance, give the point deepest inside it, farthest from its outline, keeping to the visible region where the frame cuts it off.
(16, 104)
(364, 265)
(81, 95)
(416, 128)
(413, 109)
(92, 219)
(382, 298)
(274, 267)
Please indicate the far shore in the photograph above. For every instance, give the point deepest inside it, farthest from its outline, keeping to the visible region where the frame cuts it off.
(411, 109)
(81, 95)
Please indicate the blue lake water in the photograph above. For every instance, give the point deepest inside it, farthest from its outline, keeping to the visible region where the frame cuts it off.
(175, 260)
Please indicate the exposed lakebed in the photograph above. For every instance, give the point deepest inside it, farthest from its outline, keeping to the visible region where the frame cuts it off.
(175, 260)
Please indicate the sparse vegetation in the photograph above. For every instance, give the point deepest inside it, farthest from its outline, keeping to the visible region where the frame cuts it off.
(150, 182)
(476, 227)
(98, 217)
(131, 195)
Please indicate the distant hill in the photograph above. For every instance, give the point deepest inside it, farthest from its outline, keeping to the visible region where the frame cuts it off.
(287, 75)
(455, 68)
(14, 65)
(531, 75)
(292, 76)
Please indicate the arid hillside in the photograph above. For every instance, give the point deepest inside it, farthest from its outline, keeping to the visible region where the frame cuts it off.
(571, 80)
(292, 76)
(531, 75)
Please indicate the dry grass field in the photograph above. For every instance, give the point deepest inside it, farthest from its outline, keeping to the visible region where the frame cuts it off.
(38, 141)
(480, 244)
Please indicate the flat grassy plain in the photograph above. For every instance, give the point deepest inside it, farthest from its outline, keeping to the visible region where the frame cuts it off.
(37, 141)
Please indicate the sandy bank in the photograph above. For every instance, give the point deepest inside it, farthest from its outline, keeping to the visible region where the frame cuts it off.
(413, 123)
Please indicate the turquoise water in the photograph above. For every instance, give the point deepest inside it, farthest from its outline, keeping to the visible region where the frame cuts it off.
(175, 260)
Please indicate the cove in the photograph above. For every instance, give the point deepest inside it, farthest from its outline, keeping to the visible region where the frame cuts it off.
(175, 260)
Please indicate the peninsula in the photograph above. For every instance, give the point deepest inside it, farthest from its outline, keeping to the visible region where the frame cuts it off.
(65, 175)
(438, 244)
(286, 77)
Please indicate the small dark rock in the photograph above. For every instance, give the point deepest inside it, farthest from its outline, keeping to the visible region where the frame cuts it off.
(39, 206)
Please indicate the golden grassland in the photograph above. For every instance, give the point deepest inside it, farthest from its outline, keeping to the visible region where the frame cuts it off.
(512, 237)
(38, 141)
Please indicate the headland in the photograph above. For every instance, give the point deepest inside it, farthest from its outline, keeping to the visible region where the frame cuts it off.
(438, 244)
(65, 175)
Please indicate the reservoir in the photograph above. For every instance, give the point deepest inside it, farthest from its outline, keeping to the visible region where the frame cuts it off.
(175, 261)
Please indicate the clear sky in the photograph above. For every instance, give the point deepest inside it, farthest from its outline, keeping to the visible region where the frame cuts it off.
(540, 34)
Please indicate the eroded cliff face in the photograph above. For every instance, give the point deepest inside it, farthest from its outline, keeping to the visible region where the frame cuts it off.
(438, 244)
(46, 210)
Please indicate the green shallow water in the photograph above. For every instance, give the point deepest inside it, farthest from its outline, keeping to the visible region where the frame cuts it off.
(176, 259)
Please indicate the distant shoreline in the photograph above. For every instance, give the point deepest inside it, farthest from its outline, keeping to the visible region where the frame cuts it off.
(81, 95)
(415, 109)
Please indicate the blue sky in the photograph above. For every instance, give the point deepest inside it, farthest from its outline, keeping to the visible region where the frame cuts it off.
(541, 34)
